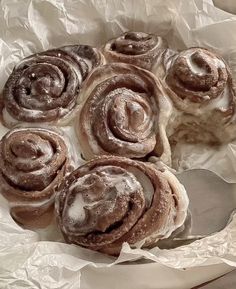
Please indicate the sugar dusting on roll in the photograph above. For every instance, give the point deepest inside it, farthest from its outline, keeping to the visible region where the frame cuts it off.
(111, 200)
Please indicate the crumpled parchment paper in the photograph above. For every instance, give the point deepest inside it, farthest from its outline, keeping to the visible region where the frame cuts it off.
(31, 259)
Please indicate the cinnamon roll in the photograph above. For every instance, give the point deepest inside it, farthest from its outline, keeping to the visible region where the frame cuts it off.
(44, 87)
(137, 48)
(124, 112)
(111, 200)
(200, 84)
(32, 163)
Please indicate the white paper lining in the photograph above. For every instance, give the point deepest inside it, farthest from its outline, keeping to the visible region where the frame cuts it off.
(30, 26)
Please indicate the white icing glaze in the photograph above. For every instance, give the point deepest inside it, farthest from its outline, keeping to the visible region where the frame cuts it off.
(89, 63)
(196, 69)
(122, 183)
(134, 107)
(73, 146)
(76, 210)
(145, 182)
(221, 102)
(75, 69)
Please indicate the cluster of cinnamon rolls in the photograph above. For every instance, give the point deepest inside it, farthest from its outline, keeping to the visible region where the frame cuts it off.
(129, 100)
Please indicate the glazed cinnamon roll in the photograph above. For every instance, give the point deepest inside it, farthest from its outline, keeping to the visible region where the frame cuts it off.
(137, 48)
(32, 163)
(124, 113)
(200, 85)
(111, 200)
(44, 87)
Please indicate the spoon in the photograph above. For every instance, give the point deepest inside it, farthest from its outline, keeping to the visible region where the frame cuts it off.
(212, 203)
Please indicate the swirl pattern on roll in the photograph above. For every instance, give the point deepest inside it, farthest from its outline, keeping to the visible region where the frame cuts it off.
(120, 113)
(137, 48)
(44, 87)
(111, 200)
(198, 75)
(32, 162)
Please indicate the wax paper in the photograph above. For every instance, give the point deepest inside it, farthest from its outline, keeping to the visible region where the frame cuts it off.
(39, 259)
